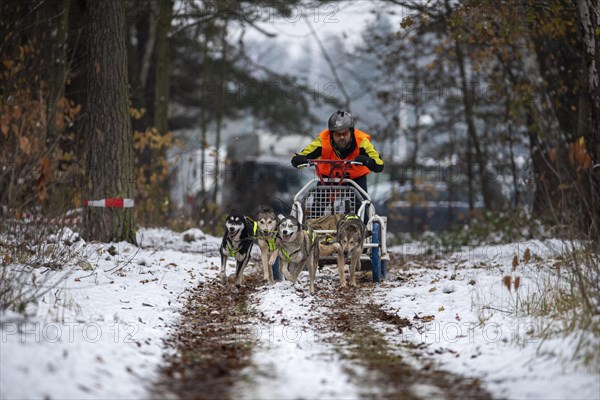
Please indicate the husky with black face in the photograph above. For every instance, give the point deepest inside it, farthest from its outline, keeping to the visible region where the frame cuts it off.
(298, 248)
(351, 232)
(266, 239)
(237, 243)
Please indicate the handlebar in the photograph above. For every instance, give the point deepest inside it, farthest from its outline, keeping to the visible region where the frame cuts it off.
(338, 163)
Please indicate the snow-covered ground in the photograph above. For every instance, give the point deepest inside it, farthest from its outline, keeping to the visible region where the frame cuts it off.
(468, 319)
(98, 332)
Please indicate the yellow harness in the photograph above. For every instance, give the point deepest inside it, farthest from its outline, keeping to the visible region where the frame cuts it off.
(288, 257)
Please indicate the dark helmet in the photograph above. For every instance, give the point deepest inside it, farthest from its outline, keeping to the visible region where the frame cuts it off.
(340, 121)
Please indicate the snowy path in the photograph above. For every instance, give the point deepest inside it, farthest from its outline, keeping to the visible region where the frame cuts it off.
(152, 321)
(278, 341)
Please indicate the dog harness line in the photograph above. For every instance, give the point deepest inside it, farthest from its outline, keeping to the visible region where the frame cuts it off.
(254, 225)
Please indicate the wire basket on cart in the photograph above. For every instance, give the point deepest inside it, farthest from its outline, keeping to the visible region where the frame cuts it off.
(322, 202)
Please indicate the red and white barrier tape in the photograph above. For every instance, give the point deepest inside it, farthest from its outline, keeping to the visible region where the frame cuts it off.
(110, 203)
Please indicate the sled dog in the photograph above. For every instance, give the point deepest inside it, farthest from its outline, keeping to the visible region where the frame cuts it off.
(266, 239)
(237, 243)
(351, 231)
(297, 248)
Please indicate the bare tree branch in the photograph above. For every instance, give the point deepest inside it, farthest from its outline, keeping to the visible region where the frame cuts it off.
(337, 78)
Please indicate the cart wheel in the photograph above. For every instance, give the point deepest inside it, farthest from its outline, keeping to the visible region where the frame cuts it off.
(375, 254)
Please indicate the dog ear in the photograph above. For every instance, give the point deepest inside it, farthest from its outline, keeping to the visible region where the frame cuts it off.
(280, 217)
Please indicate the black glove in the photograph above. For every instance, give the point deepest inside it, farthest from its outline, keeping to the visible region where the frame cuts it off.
(365, 160)
(299, 159)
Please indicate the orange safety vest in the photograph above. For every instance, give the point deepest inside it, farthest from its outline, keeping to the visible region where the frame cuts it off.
(328, 153)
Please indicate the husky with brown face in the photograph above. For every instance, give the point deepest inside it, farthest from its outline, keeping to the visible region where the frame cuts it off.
(298, 248)
(266, 239)
(351, 232)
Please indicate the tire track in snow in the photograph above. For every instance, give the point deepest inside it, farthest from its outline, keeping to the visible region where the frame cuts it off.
(338, 344)
(292, 358)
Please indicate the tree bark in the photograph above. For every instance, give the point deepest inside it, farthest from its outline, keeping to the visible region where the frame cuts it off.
(589, 17)
(110, 171)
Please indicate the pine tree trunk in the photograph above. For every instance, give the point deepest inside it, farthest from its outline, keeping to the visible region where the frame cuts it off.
(110, 171)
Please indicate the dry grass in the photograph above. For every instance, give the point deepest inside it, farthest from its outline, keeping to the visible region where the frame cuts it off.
(30, 258)
(560, 293)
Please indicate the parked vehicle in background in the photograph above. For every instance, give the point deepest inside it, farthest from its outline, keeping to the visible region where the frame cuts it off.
(423, 199)
(258, 172)
(253, 171)
(426, 207)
